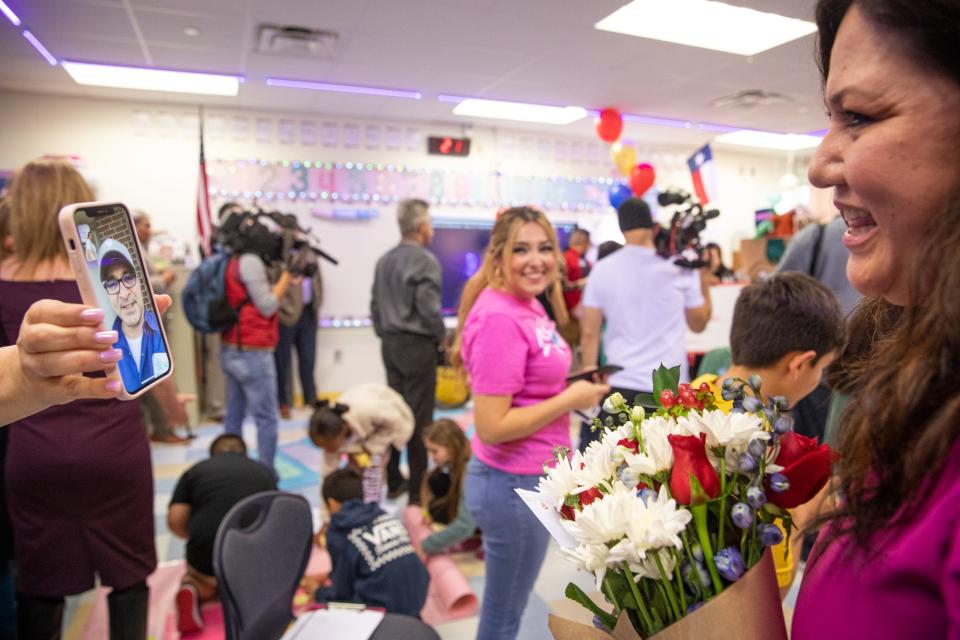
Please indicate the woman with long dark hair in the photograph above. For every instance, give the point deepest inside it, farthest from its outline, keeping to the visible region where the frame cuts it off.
(887, 565)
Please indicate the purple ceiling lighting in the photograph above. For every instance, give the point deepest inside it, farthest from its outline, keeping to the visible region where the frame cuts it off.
(7, 11)
(344, 88)
(32, 39)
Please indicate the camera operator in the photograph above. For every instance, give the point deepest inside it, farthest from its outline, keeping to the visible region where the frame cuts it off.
(298, 329)
(247, 351)
(647, 302)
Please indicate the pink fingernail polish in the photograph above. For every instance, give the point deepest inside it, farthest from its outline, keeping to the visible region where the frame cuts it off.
(92, 314)
(106, 337)
(113, 385)
(111, 355)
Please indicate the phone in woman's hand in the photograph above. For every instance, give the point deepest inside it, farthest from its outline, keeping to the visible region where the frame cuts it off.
(107, 260)
(594, 374)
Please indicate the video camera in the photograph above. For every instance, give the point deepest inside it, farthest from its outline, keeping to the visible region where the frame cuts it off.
(274, 237)
(681, 240)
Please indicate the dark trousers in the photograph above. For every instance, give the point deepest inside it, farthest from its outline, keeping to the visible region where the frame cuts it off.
(40, 618)
(411, 363)
(303, 336)
(587, 435)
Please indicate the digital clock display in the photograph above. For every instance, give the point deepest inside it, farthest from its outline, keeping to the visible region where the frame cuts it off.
(445, 146)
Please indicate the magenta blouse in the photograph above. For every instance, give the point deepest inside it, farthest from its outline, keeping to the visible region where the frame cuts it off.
(906, 586)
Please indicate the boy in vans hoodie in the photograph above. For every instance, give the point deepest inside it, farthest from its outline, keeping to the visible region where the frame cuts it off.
(373, 560)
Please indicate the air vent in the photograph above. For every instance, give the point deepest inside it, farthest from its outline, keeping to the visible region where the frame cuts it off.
(297, 42)
(750, 99)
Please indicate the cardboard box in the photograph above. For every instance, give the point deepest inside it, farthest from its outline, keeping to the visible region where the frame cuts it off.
(750, 609)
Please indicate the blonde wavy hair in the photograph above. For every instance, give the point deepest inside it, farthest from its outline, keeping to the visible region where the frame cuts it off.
(37, 193)
(492, 274)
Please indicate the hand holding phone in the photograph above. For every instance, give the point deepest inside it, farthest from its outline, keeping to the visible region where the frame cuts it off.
(107, 259)
(599, 374)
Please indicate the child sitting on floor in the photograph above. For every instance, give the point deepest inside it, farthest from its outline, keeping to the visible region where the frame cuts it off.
(365, 421)
(373, 562)
(443, 493)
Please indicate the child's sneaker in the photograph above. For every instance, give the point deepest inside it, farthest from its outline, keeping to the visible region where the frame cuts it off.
(188, 609)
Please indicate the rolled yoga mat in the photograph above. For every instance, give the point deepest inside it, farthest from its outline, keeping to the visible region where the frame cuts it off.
(449, 596)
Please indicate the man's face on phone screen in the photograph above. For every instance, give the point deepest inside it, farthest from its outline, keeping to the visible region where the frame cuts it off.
(123, 289)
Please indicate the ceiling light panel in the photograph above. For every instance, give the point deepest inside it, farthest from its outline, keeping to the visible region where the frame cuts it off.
(706, 24)
(11, 16)
(344, 88)
(102, 75)
(516, 111)
(42, 50)
(767, 140)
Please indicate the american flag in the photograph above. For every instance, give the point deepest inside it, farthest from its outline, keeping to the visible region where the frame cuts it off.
(704, 174)
(204, 219)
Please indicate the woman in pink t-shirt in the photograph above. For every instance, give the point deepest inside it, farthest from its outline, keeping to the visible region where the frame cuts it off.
(518, 366)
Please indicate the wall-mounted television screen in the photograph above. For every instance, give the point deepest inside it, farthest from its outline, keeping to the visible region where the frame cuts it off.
(459, 246)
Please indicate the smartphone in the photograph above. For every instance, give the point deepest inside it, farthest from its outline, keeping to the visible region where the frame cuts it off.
(107, 259)
(587, 374)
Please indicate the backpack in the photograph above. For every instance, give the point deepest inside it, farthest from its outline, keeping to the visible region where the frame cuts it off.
(205, 296)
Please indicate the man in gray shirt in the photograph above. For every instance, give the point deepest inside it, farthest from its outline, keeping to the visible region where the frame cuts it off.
(406, 316)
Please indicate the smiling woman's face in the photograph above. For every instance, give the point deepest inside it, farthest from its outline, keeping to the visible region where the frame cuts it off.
(891, 153)
(531, 266)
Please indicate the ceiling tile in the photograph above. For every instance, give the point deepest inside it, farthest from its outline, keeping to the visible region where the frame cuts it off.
(54, 18)
(93, 49)
(212, 61)
(166, 29)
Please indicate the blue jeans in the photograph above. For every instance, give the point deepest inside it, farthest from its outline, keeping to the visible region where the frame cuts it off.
(252, 385)
(514, 546)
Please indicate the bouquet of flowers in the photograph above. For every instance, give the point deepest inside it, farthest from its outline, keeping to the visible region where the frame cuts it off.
(669, 509)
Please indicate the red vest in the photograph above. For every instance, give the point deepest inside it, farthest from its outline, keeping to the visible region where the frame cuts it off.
(252, 329)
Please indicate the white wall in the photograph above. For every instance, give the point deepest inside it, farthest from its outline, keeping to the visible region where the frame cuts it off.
(146, 155)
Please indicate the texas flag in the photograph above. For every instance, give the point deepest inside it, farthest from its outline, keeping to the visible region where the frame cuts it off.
(704, 174)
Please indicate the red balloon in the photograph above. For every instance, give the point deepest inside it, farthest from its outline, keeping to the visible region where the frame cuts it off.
(609, 125)
(642, 178)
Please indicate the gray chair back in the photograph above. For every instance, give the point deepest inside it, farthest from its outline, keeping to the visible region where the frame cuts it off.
(259, 556)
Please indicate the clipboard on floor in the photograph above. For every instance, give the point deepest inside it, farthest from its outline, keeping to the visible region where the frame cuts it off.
(343, 622)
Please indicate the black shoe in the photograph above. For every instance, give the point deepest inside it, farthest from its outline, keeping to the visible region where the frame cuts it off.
(402, 488)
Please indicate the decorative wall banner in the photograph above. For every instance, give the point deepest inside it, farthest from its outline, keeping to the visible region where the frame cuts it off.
(293, 180)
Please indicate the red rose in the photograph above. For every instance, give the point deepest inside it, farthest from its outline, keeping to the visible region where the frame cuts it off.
(690, 459)
(588, 496)
(806, 465)
(629, 443)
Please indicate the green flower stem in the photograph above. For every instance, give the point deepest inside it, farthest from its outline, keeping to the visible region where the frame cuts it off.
(721, 539)
(676, 572)
(665, 580)
(641, 605)
(667, 607)
(743, 543)
(700, 520)
(689, 551)
(608, 591)
(656, 619)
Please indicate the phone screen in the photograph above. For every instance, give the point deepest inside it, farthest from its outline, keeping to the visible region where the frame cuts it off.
(119, 278)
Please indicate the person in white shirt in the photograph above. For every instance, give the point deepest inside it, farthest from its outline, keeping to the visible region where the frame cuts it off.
(647, 303)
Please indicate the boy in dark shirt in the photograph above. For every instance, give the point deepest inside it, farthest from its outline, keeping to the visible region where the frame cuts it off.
(203, 496)
(370, 551)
